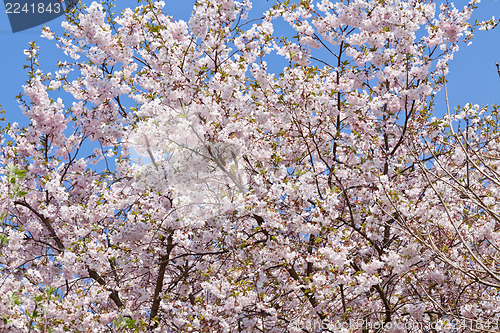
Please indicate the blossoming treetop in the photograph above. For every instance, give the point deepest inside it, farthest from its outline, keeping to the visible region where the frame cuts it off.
(327, 193)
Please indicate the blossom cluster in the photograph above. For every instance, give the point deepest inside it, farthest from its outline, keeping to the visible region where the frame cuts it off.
(326, 192)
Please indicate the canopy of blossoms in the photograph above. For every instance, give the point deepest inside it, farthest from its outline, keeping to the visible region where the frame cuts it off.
(273, 200)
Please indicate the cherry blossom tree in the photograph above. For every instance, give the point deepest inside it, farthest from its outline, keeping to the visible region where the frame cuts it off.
(326, 196)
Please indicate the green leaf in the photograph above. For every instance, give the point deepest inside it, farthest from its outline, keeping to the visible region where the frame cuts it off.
(21, 193)
(4, 240)
(14, 299)
(124, 322)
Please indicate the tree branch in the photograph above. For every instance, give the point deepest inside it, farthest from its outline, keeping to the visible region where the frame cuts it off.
(164, 259)
(46, 222)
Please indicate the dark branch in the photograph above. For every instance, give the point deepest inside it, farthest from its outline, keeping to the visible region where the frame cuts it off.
(46, 222)
(164, 259)
(99, 279)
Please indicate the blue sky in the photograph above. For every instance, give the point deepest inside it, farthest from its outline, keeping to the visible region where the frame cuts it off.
(473, 77)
